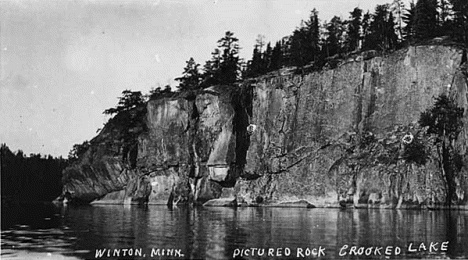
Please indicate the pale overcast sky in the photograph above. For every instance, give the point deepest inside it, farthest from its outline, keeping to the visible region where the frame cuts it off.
(64, 62)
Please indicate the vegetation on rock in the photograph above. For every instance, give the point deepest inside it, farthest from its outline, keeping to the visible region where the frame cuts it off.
(397, 153)
(389, 27)
(77, 151)
(224, 66)
(128, 100)
(444, 122)
(191, 77)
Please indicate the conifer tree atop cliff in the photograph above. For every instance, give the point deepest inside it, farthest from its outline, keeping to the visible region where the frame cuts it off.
(224, 66)
(191, 77)
(425, 19)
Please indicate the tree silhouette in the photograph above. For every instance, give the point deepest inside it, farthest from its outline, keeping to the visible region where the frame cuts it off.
(381, 32)
(224, 66)
(191, 77)
(353, 37)
(266, 60)
(33, 178)
(366, 31)
(460, 20)
(256, 66)
(78, 150)
(297, 47)
(425, 19)
(304, 43)
(334, 36)
(313, 37)
(130, 99)
(276, 56)
(408, 18)
(444, 121)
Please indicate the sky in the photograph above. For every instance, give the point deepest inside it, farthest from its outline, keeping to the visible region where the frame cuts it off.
(62, 63)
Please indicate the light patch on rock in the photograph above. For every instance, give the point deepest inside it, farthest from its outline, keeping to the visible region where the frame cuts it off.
(251, 128)
(218, 173)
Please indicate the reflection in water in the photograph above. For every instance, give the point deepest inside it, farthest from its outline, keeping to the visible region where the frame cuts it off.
(218, 233)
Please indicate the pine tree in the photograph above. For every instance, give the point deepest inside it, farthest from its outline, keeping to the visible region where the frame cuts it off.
(381, 34)
(130, 99)
(408, 18)
(191, 77)
(353, 35)
(304, 43)
(276, 57)
(312, 37)
(286, 43)
(297, 47)
(229, 66)
(266, 59)
(366, 32)
(460, 21)
(254, 65)
(211, 69)
(425, 19)
(334, 36)
(224, 66)
(391, 36)
(258, 64)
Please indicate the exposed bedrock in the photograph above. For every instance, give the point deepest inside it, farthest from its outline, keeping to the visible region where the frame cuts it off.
(282, 138)
(307, 143)
(189, 149)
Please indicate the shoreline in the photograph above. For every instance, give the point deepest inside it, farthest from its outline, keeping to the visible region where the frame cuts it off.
(226, 203)
(229, 203)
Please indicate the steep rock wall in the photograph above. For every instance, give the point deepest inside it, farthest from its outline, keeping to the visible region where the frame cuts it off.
(305, 125)
(107, 165)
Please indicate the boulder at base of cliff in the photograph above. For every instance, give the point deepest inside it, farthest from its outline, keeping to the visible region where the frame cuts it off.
(293, 204)
(116, 197)
(222, 202)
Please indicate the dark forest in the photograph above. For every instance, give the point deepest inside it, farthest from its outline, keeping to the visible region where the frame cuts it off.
(30, 178)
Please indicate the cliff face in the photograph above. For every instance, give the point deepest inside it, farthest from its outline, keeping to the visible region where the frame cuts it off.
(305, 143)
(319, 137)
(187, 151)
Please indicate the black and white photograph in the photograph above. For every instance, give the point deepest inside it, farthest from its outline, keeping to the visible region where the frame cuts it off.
(233, 129)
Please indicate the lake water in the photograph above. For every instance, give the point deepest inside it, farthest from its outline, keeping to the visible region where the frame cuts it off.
(50, 232)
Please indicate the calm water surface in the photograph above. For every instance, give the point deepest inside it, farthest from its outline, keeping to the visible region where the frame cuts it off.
(50, 232)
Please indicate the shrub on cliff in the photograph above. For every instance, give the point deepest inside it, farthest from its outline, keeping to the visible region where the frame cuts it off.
(120, 133)
(387, 158)
(415, 151)
(403, 143)
(157, 93)
(444, 121)
(77, 151)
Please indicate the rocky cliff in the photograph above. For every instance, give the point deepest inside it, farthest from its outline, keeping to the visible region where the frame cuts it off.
(324, 137)
(181, 150)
